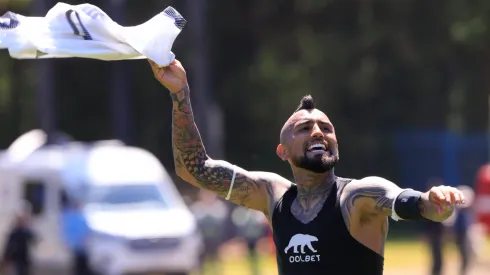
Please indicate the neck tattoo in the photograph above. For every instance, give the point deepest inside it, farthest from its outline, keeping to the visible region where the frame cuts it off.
(310, 200)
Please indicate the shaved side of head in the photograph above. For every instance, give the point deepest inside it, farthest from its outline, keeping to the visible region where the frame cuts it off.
(306, 103)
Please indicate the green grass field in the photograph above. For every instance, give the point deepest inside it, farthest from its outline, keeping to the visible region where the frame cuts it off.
(410, 257)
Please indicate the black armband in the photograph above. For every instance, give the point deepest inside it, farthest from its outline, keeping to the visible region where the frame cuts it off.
(406, 206)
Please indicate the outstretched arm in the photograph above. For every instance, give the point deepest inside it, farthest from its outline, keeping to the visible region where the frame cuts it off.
(374, 197)
(250, 189)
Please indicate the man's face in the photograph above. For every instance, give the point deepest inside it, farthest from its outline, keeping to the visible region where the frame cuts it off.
(310, 142)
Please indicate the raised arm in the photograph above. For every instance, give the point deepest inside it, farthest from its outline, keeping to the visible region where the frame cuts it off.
(250, 189)
(375, 197)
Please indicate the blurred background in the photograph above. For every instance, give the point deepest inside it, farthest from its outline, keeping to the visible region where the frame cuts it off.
(406, 84)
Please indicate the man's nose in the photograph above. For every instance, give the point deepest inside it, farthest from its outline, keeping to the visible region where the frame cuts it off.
(316, 132)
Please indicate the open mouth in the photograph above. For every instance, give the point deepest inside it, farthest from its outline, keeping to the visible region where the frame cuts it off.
(319, 148)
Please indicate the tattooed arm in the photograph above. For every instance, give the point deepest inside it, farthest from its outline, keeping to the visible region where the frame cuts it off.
(254, 190)
(250, 189)
(374, 197)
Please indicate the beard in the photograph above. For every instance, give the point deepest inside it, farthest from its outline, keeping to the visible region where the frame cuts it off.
(318, 164)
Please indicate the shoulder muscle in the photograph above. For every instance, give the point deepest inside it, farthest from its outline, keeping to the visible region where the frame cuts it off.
(368, 197)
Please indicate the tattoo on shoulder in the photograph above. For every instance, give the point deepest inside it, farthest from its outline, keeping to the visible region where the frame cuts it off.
(357, 197)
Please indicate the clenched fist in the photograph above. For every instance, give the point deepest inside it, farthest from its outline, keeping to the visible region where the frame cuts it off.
(173, 76)
(439, 202)
(446, 195)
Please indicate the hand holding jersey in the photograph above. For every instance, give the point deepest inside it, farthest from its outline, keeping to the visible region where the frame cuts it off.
(173, 76)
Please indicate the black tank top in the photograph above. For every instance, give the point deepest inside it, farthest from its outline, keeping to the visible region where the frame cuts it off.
(324, 246)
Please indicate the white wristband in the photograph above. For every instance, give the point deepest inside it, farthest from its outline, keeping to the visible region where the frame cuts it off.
(231, 184)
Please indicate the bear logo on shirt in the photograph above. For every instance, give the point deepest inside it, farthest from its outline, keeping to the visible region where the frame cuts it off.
(298, 243)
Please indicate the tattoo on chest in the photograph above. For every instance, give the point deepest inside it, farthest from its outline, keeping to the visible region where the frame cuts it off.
(308, 204)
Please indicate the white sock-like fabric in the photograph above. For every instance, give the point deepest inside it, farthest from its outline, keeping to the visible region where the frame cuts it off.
(85, 31)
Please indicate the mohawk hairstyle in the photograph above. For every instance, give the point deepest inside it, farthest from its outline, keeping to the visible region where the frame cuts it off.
(306, 103)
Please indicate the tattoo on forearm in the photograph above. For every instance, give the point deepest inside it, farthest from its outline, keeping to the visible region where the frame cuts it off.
(383, 203)
(192, 162)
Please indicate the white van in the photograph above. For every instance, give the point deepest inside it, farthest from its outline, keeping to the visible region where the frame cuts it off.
(139, 221)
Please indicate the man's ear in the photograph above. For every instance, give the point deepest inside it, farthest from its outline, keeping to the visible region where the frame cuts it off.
(281, 152)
